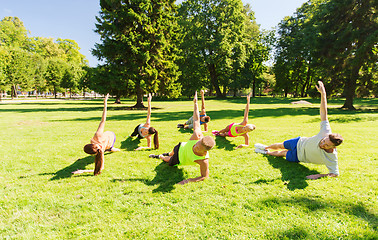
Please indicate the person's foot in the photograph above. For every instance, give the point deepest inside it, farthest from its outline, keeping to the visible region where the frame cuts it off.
(165, 154)
(180, 125)
(154, 156)
(215, 133)
(257, 150)
(260, 146)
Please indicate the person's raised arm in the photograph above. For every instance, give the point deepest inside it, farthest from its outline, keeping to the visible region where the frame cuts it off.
(246, 111)
(101, 127)
(203, 110)
(323, 101)
(148, 121)
(197, 133)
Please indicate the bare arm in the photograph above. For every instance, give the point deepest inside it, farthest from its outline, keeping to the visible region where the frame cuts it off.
(246, 141)
(148, 121)
(316, 176)
(203, 110)
(323, 101)
(246, 110)
(148, 138)
(197, 133)
(205, 173)
(101, 127)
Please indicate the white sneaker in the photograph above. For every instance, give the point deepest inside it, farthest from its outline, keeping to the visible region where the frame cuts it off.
(261, 151)
(260, 146)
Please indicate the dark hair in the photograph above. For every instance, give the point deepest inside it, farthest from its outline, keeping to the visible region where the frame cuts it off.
(90, 149)
(208, 142)
(336, 139)
(99, 161)
(207, 119)
(152, 130)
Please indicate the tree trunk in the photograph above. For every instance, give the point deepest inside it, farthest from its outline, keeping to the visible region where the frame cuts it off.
(54, 92)
(118, 100)
(214, 79)
(254, 87)
(350, 89)
(307, 82)
(139, 92)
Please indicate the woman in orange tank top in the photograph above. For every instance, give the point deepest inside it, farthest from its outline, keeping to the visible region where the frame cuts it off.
(100, 143)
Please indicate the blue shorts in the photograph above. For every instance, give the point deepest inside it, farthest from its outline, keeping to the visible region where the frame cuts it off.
(291, 145)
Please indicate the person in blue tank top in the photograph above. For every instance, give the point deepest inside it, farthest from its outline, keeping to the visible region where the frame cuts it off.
(204, 119)
(195, 151)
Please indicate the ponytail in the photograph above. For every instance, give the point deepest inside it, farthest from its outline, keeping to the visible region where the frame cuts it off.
(152, 130)
(99, 162)
(156, 139)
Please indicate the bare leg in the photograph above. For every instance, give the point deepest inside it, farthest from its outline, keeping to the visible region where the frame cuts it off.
(224, 132)
(113, 149)
(275, 146)
(278, 153)
(165, 158)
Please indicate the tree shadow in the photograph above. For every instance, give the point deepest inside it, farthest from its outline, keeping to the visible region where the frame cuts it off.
(293, 174)
(224, 143)
(66, 172)
(130, 143)
(312, 205)
(166, 178)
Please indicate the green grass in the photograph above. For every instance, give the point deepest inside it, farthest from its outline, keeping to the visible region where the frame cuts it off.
(248, 195)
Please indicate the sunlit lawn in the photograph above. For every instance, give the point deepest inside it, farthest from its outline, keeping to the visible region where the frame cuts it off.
(248, 196)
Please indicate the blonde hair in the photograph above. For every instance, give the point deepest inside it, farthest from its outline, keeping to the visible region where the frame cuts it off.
(208, 142)
(250, 127)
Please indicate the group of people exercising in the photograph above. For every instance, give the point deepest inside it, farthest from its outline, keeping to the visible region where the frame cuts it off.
(319, 149)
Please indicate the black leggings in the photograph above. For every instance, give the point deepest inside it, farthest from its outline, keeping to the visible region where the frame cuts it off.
(136, 132)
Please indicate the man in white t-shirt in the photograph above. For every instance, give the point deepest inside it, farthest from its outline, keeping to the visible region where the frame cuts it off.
(319, 149)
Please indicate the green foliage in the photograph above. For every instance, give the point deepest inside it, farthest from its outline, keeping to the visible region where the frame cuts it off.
(24, 61)
(137, 40)
(329, 40)
(248, 195)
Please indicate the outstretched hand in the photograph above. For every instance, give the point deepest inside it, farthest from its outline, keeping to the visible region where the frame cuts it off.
(249, 96)
(195, 98)
(149, 97)
(202, 92)
(321, 87)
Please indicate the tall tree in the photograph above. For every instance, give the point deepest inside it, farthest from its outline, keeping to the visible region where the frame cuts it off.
(348, 35)
(213, 41)
(137, 40)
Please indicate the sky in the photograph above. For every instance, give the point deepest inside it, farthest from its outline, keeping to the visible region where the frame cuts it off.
(75, 19)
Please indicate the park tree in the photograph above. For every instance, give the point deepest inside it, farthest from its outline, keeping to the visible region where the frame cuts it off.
(329, 40)
(55, 70)
(213, 41)
(138, 42)
(348, 33)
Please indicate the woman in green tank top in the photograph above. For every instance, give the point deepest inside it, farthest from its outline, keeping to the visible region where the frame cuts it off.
(196, 150)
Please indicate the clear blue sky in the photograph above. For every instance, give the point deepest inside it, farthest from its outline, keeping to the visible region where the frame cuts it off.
(75, 19)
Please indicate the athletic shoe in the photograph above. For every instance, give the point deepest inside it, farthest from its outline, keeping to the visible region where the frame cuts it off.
(261, 151)
(215, 133)
(260, 146)
(180, 125)
(153, 156)
(165, 154)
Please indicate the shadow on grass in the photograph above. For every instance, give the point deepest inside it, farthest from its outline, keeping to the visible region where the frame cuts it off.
(312, 205)
(293, 174)
(166, 178)
(78, 164)
(130, 144)
(224, 143)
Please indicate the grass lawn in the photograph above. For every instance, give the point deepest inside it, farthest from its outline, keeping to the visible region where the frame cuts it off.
(248, 195)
